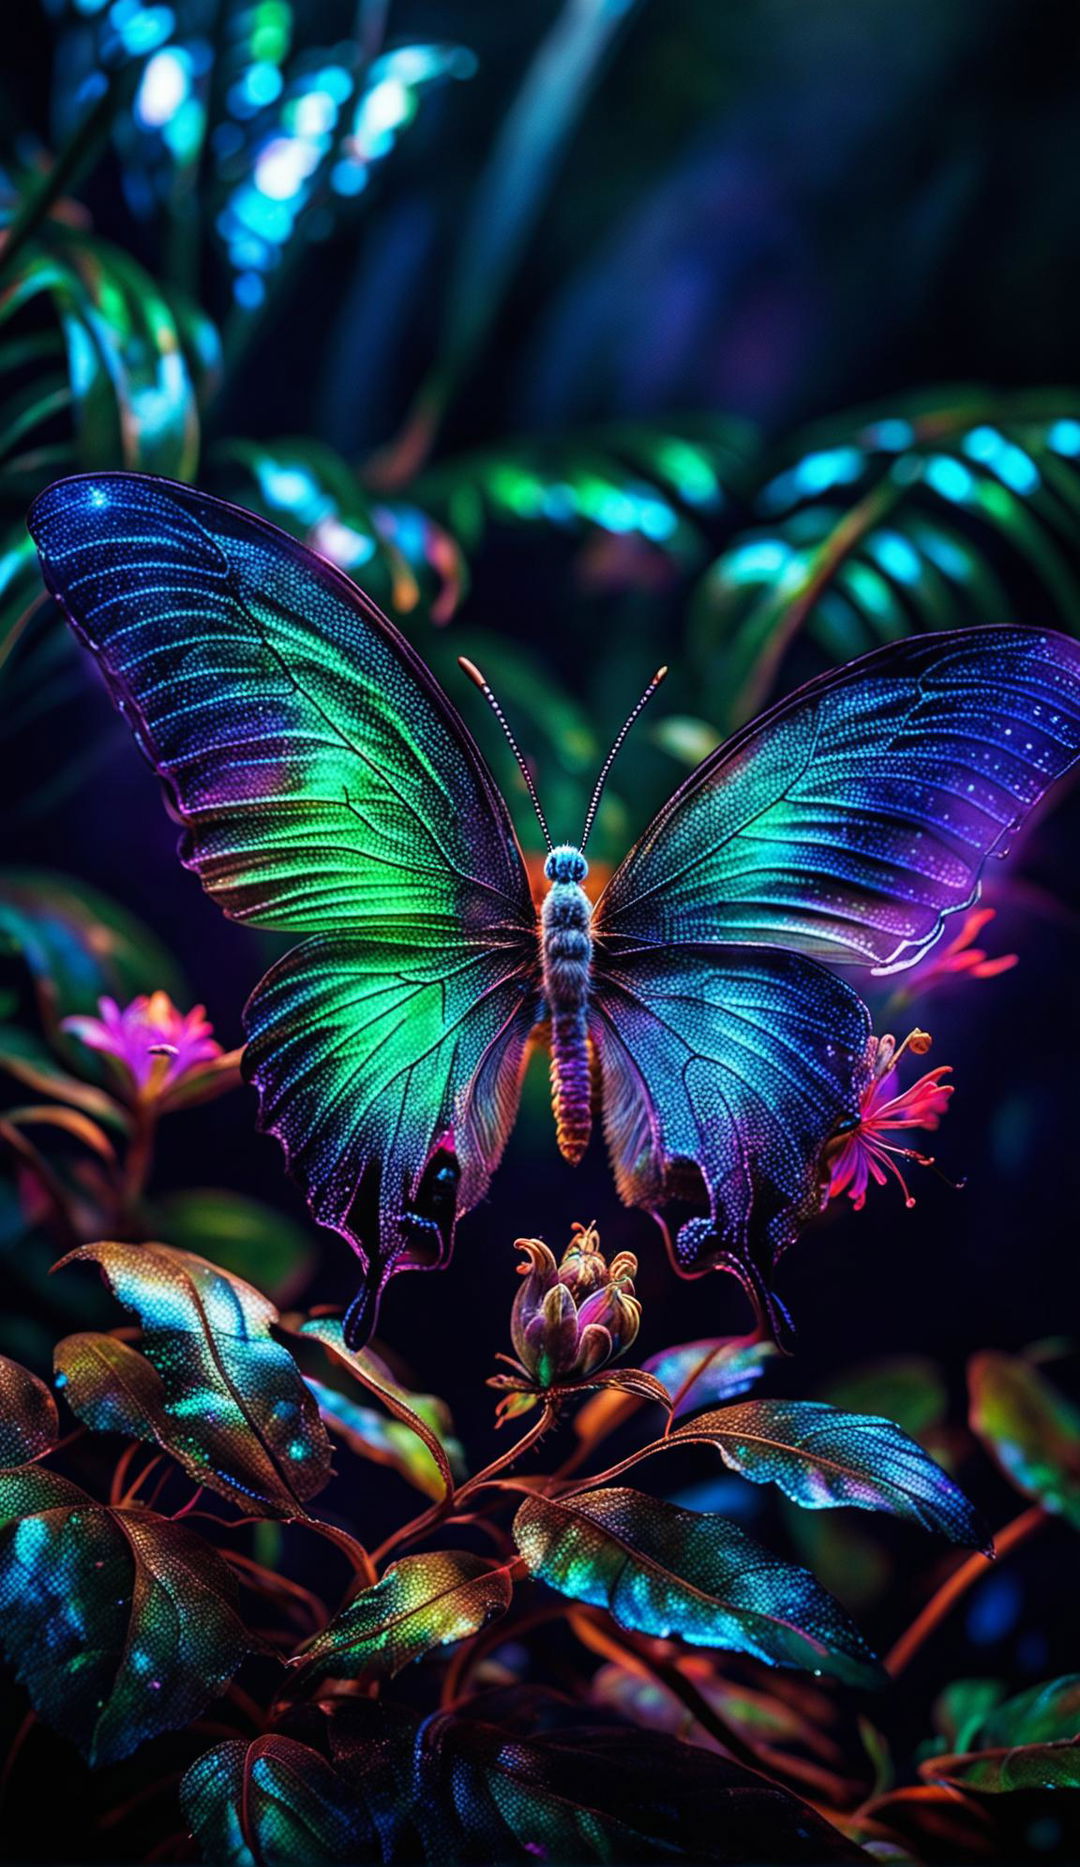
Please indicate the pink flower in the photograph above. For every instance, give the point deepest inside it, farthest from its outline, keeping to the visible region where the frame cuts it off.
(958, 959)
(154, 1046)
(863, 1154)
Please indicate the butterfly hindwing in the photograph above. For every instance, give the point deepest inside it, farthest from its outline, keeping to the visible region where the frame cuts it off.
(726, 1068)
(851, 819)
(325, 786)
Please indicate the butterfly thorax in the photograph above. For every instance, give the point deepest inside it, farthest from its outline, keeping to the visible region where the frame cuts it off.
(566, 957)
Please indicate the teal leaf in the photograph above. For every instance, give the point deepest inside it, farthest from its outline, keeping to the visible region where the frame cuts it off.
(420, 1604)
(466, 1789)
(1032, 1741)
(879, 524)
(119, 1623)
(663, 1570)
(241, 1235)
(821, 1457)
(370, 1435)
(907, 1389)
(962, 1708)
(233, 1408)
(79, 946)
(424, 1415)
(698, 1374)
(28, 1423)
(1032, 1431)
(271, 1803)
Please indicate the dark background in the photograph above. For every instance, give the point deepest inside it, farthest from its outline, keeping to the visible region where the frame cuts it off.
(774, 209)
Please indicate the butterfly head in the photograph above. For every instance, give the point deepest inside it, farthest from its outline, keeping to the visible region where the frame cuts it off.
(565, 863)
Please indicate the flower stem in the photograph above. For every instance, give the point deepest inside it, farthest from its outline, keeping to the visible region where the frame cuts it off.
(957, 1584)
(448, 1506)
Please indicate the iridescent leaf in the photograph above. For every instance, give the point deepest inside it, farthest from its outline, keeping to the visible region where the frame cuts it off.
(251, 1240)
(663, 1570)
(425, 1415)
(79, 946)
(420, 1603)
(462, 1789)
(1031, 1429)
(385, 1441)
(235, 1409)
(120, 1623)
(821, 1457)
(28, 1423)
(1031, 1741)
(921, 517)
(698, 1374)
(270, 1803)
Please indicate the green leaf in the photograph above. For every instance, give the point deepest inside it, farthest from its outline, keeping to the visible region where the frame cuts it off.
(28, 1422)
(30, 1061)
(425, 1415)
(1031, 1741)
(370, 1435)
(907, 1389)
(930, 515)
(79, 946)
(466, 1789)
(242, 1235)
(120, 1623)
(963, 1707)
(421, 1603)
(271, 1803)
(1032, 1431)
(821, 1457)
(662, 1570)
(233, 1406)
(136, 357)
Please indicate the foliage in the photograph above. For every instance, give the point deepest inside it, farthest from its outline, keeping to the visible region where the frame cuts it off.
(263, 1565)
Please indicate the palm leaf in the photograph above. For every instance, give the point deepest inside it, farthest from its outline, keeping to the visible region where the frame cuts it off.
(944, 512)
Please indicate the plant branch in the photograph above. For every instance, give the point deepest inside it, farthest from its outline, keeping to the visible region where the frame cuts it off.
(970, 1571)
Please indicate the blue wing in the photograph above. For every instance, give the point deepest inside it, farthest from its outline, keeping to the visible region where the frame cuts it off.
(726, 1070)
(852, 818)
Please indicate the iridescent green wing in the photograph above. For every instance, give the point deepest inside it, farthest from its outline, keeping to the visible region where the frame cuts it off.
(325, 785)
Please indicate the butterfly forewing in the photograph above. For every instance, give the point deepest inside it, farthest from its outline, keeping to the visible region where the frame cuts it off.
(858, 813)
(326, 786)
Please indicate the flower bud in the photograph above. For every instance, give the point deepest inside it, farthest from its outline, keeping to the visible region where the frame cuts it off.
(572, 1318)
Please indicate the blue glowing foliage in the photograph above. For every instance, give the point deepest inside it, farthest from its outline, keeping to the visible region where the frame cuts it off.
(663, 1570)
(207, 1381)
(272, 1802)
(119, 1623)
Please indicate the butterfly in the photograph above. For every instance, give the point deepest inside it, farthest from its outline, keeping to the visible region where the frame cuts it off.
(326, 786)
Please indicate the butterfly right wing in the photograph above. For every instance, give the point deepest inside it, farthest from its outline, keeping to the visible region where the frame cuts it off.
(324, 785)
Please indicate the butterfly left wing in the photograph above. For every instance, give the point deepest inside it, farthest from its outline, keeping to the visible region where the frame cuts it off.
(326, 786)
(726, 1068)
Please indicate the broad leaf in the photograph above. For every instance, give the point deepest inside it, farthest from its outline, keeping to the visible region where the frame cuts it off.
(119, 1623)
(663, 1570)
(422, 1602)
(1031, 1429)
(79, 946)
(1031, 1741)
(460, 1789)
(370, 1435)
(271, 1803)
(907, 1389)
(28, 1422)
(924, 516)
(1027, 1766)
(234, 1408)
(821, 1457)
(698, 1374)
(424, 1414)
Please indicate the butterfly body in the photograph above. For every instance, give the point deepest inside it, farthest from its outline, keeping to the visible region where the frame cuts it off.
(327, 787)
(566, 950)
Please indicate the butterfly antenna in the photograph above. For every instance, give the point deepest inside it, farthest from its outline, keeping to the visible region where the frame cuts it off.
(615, 750)
(475, 675)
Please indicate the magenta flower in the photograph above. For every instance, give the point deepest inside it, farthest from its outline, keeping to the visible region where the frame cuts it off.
(863, 1154)
(154, 1047)
(960, 958)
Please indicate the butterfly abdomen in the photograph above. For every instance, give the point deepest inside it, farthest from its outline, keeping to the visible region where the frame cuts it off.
(566, 952)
